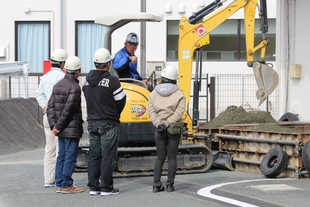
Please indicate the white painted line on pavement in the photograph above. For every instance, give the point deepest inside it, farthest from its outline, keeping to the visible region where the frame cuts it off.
(206, 192)
(22, 162)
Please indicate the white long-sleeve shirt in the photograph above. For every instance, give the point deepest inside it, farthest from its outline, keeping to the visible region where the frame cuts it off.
(46, 85)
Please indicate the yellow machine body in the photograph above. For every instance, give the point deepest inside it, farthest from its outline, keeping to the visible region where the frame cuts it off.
(136, 104)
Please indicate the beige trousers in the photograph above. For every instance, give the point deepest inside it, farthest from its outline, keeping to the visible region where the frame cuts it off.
(51, 150)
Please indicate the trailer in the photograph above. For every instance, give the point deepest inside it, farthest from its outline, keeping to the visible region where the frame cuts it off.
(272, 153)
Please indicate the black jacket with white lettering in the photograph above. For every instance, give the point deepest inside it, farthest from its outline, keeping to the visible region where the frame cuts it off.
(105, 98)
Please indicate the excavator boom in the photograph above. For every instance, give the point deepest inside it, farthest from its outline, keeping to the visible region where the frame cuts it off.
(194, 33)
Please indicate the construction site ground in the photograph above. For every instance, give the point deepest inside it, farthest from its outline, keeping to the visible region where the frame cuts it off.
(21, 181)
(21, 165)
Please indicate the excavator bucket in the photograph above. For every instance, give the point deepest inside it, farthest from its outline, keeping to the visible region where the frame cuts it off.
(267, 80)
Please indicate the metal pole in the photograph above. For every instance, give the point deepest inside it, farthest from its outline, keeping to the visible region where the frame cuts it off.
(212, 98)
(255, 139)
(142, 43)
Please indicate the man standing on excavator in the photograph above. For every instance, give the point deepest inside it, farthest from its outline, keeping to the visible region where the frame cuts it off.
(125, 61)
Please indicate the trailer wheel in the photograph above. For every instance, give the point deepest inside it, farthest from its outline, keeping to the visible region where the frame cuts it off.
(274, 162)
(306, 155)
(289, 117)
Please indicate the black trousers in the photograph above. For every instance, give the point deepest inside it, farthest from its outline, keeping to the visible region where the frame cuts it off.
(167, 146)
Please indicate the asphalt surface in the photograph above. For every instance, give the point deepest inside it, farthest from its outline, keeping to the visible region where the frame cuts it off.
(21, 182)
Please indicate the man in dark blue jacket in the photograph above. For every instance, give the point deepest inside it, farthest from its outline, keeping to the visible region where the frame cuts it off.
(105, 100)
(65, 118)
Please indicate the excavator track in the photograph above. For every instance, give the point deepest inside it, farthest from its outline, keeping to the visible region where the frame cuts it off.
(140, 161)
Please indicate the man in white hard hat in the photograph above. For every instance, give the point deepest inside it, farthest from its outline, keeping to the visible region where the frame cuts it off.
(43, 94)
(64, 115)
(125, 61)
(105, 100)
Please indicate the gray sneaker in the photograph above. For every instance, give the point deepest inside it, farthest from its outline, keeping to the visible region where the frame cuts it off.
(115, 191)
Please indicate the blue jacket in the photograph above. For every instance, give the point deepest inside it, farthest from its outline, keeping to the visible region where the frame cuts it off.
(124, 66)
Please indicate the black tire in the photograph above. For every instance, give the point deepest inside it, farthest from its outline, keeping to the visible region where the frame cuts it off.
(289, 117)
(274, 163)
(82, 159)
(306, 155)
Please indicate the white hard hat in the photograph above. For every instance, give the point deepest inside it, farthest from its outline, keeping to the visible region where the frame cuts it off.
(59, 55)
(73, 63)
(102, 56)
(132, 38)
(170, 72)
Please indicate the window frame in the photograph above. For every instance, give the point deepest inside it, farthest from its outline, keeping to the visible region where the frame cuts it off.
(17, 23)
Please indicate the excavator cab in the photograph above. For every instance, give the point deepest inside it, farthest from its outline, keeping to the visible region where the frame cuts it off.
(137, 127)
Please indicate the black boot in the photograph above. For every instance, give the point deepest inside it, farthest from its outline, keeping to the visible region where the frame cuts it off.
(157, 189)
(170, 188)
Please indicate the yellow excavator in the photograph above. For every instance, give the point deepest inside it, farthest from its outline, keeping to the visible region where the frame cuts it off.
(137, 152)
(194, 33)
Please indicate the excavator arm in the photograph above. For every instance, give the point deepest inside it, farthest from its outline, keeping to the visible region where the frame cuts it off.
(194, 33)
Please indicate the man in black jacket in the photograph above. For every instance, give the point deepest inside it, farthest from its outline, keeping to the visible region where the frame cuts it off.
(105, 101)
(65, 118)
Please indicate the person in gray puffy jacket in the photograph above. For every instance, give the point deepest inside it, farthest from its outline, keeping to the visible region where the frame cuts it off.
(166, 106)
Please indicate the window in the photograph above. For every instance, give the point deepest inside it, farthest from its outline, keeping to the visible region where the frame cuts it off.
(90, 37)
(225, 43)
(32, 44)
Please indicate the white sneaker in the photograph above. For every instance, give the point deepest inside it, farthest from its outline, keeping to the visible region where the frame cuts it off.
(115, 191)
(49, 185)
(93, 192)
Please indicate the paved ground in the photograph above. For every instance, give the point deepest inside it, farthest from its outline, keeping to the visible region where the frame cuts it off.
(21, 176)
(21, 182)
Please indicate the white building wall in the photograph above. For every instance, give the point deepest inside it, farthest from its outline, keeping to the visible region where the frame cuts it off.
(77, 10)
(297, 30)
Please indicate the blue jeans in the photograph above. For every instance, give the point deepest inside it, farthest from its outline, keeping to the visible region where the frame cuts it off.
(167, 146)
(66, 161)
(103, 143)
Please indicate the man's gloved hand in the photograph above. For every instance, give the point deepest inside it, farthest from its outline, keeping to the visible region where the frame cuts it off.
(161, 128)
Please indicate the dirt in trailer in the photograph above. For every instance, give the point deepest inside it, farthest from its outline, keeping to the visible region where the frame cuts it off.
(238, 115)
(21, 126)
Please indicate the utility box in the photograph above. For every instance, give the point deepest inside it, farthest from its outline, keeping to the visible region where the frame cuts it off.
(156, 66)
(295, 71)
